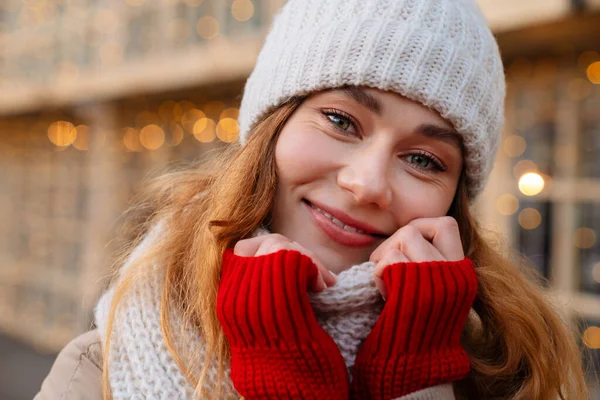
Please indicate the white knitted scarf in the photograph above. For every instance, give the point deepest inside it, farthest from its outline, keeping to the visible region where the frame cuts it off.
(141, 367)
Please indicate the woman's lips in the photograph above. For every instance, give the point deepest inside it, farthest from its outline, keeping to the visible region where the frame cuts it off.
(336, 232)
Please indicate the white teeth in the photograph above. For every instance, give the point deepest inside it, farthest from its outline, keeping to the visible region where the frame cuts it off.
(337, 221)
(350, 228)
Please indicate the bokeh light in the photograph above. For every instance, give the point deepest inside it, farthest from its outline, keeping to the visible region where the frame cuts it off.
(593, 73)
(242, 10)
(131, 139)
(81, 142)
(62, 133)
(190, 118)
(514, 145)
(228, 130)
(584, 238)
(176, 133)
(152, 137)
(207, 27)
(591, 337)
(530, 218)
(204, 130)
(507, 204)
(531, 184)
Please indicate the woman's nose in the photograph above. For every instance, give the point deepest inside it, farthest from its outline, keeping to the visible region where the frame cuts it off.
(365, 175)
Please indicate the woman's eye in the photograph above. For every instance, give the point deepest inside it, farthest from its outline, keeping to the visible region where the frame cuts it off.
(340, 121)
(425, 162)
(420, 160)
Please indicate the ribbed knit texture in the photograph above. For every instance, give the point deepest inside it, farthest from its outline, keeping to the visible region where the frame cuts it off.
(416, 341)
(278, 349)
(140, 366)
(440, 53)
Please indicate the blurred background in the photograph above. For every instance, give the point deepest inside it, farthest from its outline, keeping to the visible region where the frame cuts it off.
(96, 94)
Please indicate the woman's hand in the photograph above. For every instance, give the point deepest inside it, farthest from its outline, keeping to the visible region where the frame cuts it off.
(278, 349)
(423, 239)
(430, 287)
(268, 244)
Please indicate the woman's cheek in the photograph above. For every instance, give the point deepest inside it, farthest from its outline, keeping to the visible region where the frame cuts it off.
(417, 198)
(305, 151)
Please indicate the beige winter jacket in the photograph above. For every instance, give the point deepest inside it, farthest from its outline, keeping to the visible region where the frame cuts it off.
(77, 371)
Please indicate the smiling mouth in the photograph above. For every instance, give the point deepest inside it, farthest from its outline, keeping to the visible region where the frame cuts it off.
(339, 223)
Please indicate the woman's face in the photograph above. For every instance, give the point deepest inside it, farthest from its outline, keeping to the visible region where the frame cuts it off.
(355, 165)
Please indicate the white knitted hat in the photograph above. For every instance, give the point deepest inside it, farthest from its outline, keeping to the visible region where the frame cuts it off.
(440, 53)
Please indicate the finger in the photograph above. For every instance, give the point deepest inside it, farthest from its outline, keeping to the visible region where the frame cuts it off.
(270, 246)
(444, 235)
(249, 247)
(391, 257)
(325, 276)
(411, 243)
(416, 247)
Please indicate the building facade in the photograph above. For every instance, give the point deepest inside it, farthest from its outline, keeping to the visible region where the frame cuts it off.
(97, 94)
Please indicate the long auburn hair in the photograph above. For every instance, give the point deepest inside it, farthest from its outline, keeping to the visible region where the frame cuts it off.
(518, 344)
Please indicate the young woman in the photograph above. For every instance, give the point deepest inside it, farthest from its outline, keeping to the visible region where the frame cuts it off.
(332, 252)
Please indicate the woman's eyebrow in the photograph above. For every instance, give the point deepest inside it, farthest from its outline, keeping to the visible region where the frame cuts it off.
(439, 133)
(432, 131)
(362, 97)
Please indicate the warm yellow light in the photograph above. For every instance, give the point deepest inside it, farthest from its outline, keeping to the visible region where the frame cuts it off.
(131, 139)
(189, 119)
(228, 130)
(207, 27)
(176, 134)
(584, 238)
(181, 108)
(242, 10)
(514, 145)
(531, 184)
(507, 204)
(152, 137)
(591, 337)
(193, 3)
(204, 130)
(596, 272)
(593, 73)
(82, 140)
(530, 218)
(230, 113)
(62, 133)
(524, 166)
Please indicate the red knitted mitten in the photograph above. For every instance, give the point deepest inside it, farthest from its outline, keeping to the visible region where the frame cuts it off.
(278, 349)
(416, 341)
